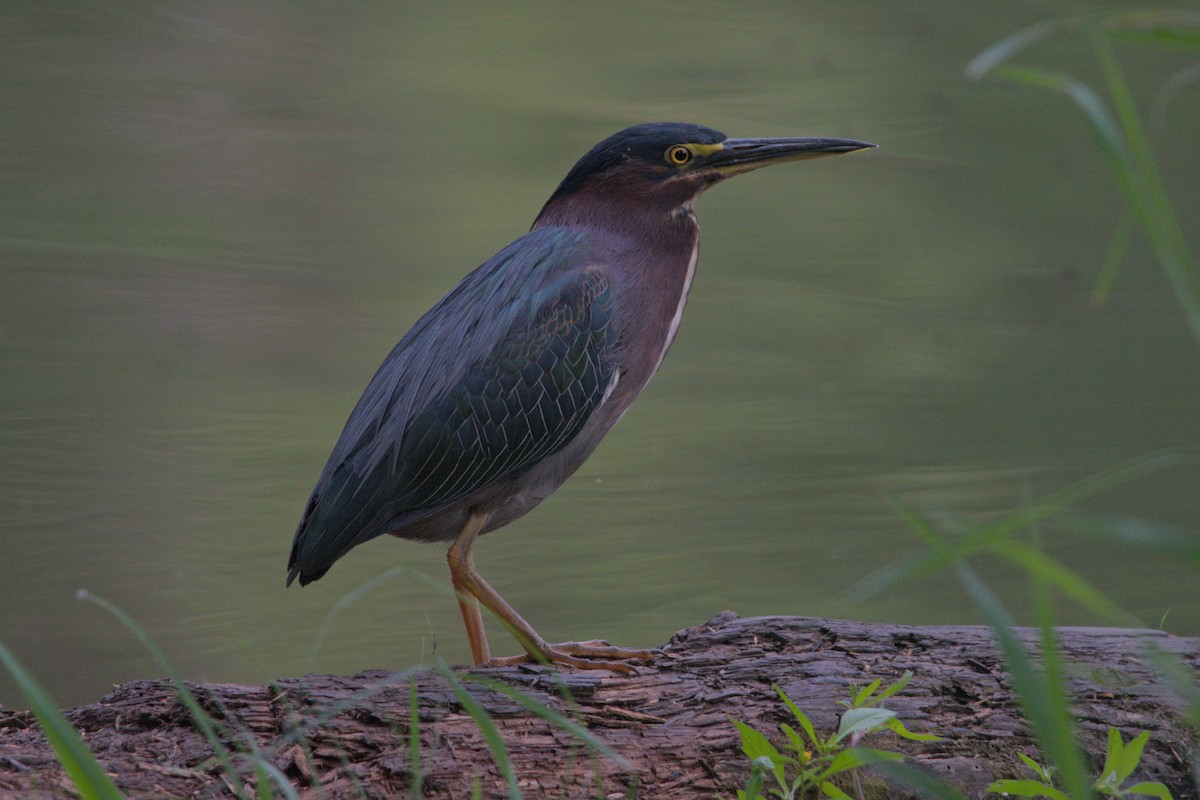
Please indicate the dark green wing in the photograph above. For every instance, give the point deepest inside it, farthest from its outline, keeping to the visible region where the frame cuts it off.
(523, 402)
(539, 339)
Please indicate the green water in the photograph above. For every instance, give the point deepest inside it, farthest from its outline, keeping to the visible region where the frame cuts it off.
(216, 220)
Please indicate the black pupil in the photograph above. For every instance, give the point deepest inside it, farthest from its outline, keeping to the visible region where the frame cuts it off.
(680, 154)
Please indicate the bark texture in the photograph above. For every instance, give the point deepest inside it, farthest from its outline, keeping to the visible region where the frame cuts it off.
(336, 737)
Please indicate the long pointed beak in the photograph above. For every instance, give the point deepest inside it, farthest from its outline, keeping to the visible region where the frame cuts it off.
(736, 156)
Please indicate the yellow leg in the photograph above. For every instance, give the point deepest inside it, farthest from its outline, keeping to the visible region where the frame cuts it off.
(473, 590)
(467, 604)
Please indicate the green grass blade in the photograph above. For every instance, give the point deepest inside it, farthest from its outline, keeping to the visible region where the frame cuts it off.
(263, 791)
(487, 728)
(918, 523)
(201, 717)
(1108, 133)
(553, 717)
(293, 737)
(333, 709)
(1122, 139)
(268, 773)
(84, 770)
(1053, 668)
(1043, 703)
(947, 552)
(1003, 50)
(1146, 535)
(1107, 277)
(920, 781)
(415, 789)
(1182, 678)
(1171, 87)
(344, 602)
(1037, 564)
(1152, 205)
(1160, 28)
(895, 573)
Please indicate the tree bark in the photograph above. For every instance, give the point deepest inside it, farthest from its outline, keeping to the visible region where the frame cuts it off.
(337, 737)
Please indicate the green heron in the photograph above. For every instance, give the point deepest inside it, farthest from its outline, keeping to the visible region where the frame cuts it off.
(502, 389)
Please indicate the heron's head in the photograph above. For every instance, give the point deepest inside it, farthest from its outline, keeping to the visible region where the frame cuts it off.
(670, 163)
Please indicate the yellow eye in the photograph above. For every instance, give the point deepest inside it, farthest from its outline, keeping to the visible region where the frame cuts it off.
(679, 155)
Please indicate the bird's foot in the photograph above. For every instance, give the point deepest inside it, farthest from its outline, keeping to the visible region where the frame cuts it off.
(592, 654)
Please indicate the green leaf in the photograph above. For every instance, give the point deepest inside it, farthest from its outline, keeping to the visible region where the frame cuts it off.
(895, 687)
(854, 757)
(863, 720)
(1109, 782)
(801, 717)
(829, 790)
(760, 751)
(864, 694)
(84, 770)
(794, 739)
(754, 744)
(754, 785)
(860, 756)
(897, 727)
(1128, 756)
(1045, 773)
(919, 524)
(1026, 788)
(844, 761)
(1152, 788)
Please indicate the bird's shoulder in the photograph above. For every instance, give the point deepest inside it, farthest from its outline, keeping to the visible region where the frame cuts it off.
(514, 297)
(516, 304)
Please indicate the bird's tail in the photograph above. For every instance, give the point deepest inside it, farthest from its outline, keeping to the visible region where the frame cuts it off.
(293, 567)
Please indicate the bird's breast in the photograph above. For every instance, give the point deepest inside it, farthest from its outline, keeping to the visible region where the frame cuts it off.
(677, 317)
(650, 308)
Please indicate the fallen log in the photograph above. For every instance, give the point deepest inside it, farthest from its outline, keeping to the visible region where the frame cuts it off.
(337, 737)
